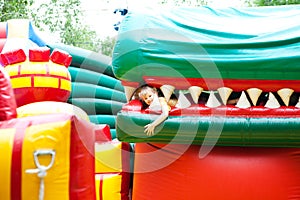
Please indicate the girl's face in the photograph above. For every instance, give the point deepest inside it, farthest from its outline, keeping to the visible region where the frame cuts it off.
(148, 97)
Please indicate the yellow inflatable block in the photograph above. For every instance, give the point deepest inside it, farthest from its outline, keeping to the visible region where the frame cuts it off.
(112, 168)
(47, 107)
(48, 156)
(108, 186)
(108, 157)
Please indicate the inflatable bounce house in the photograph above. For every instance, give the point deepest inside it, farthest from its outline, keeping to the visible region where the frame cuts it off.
(57, 112)
(234, 133)
(71, 122)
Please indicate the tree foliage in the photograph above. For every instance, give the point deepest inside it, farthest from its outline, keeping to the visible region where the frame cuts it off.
(12, 9)
(275, 2)
(62, 18)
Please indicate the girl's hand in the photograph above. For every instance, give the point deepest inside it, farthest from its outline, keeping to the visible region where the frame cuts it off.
(149, 129)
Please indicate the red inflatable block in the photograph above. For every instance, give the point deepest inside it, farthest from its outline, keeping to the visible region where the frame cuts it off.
(3, 60)
(3, 29)
(102, 133)
(8, 107)
(12, 57)
(61, 57)
(133, 105)
(68, 61)
(40, 54)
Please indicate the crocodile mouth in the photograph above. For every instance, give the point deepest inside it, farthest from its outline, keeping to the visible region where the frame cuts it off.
(281, 96)
(223, 117)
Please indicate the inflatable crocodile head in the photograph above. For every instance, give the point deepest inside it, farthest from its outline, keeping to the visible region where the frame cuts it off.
(248, 56)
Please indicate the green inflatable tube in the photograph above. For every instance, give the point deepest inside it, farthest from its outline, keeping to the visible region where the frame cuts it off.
(87, 76)
(94, 106)
(104, 119)
(113, 133)
(222, 131)
(86, 90)
(87, 59)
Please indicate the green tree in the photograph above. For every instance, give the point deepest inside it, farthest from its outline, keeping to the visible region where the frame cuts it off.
(12, 9)
(65, 19)
(275, 2)
(107, 45)
(62, 18)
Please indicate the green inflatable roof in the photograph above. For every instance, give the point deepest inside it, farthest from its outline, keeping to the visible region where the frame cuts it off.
(257, 43)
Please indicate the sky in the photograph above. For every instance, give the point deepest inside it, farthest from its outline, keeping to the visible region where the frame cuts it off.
(99, 13)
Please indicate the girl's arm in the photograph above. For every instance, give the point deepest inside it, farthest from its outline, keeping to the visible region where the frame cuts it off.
(149, 128)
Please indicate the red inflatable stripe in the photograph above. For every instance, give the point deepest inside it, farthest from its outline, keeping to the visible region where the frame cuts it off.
(16, 168)
(215, 83)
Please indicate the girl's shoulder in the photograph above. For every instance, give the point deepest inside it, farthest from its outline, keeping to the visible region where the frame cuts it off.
(162, 100)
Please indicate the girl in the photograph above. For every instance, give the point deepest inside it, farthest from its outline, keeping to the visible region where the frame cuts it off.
(149, 96)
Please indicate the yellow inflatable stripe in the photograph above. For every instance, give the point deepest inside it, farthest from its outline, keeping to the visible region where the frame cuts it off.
(46, 82)
(33, 68)
(59, 70)
(12, 70)
(65, 84)
(41, 81)
(6, 145)
(108, 157)
(50, 136)
(98, 185)
(21, 82)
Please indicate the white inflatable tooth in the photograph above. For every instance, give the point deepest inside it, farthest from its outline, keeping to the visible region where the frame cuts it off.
(298, 104)
(195, 92)
(254, 94)
(224, 93)
(212, 101)
(183, 102)
(272, 102)
(243, 101)
(129, 92)
(167, 90)
(285, 94)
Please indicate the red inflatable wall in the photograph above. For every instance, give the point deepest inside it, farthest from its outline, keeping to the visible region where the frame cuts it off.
(8, 103)
(226, 173)
(2, 35)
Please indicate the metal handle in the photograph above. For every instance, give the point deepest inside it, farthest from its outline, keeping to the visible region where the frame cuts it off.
(43, 152)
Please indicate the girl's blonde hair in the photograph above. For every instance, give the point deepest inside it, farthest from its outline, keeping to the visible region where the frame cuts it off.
(145, 90)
